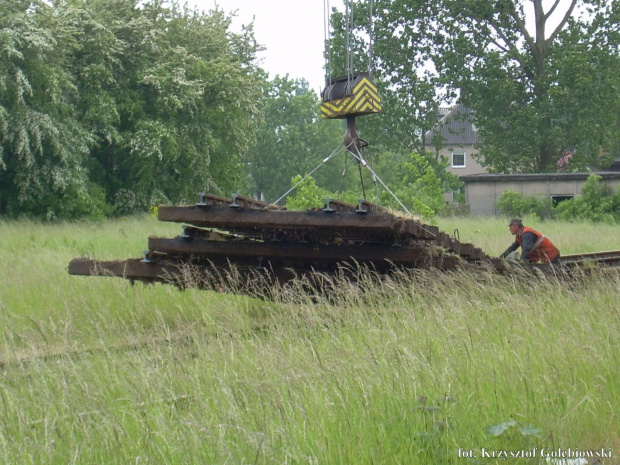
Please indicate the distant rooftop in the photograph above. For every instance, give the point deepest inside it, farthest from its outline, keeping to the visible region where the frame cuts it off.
(454, 126)
(493, 177)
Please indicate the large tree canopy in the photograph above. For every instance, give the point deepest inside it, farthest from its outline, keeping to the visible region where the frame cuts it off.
(541, 77)
(42, 145)
(120, 102)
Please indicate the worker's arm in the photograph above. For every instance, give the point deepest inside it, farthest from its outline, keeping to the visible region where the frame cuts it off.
(514, 246)
(528, 243)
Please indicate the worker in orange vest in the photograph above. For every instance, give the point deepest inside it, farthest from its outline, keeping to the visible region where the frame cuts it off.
(535, 246)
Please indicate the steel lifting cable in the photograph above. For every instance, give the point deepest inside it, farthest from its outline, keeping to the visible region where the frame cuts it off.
(328, 49)
(349, 19)
(373, 178)
(358, 156)
(344, 173)
(340, 148)
(371, 33)
(349, 54)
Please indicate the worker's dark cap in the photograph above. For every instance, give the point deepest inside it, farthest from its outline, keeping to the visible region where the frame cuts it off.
(516, 221)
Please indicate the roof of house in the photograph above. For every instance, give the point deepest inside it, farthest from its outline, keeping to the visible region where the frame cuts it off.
(454, 126)
(443, 111)
(494, 177)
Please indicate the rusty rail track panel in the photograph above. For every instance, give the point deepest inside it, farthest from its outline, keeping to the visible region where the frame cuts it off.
(236, 242)
(243, 245)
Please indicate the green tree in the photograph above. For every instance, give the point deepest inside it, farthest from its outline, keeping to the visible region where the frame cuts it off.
(419, 188)
(42, 145)
(292, 140)
(307, 195)
(534, 89)
(186, 93)
(120, 102)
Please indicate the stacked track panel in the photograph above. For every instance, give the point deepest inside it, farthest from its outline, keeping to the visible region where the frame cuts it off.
(251, 240)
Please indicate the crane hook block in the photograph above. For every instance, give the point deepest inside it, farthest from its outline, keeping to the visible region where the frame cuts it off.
(345, 96)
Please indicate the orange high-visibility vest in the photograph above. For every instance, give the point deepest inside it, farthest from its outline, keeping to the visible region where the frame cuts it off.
(543, 250)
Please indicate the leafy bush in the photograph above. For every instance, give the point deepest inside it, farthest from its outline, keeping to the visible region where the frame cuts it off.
(596, 203)
(417, 186)
(79, 202)
(420, 190)
(514, 204)
(307, 194)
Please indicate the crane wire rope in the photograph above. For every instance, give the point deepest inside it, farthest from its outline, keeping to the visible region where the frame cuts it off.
(339, 149)
(344, 173)
(327, 54)
(349, 54)
(373, 177)
(371, 34)
(359, 157)
(371, 37)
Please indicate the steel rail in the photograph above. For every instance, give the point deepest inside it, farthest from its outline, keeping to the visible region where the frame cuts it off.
(379, 226)
(610, 258)
(304, 254)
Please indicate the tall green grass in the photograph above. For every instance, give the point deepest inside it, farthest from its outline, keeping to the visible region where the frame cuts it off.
(410, 370)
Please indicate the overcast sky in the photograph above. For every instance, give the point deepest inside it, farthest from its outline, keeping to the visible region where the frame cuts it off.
(291, 30)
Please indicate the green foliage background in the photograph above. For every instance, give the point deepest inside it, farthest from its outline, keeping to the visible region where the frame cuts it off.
(417, 187)
(108, 107)
(115, 105)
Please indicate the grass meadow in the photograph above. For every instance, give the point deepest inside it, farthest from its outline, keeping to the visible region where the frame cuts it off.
(427, 368)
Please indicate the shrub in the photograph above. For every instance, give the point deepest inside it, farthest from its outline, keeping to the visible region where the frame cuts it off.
(420, 189)
(79, 202)
(307, 194)
(596, 203)
(514, 204)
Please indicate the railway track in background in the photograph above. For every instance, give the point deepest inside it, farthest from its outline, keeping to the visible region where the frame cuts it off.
(610, 258)
(239, 243)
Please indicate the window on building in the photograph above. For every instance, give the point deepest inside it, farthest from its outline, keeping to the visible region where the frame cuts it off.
(560, 198)
(458, 196)
(458, 159)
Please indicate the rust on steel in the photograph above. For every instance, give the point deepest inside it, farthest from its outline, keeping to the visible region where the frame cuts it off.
(304, 253)
(219, 277)
(337, 219)
(611, 258)
(265, 242)
(240, 243)
(133, 268)
(237, 201)
(375, 226)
